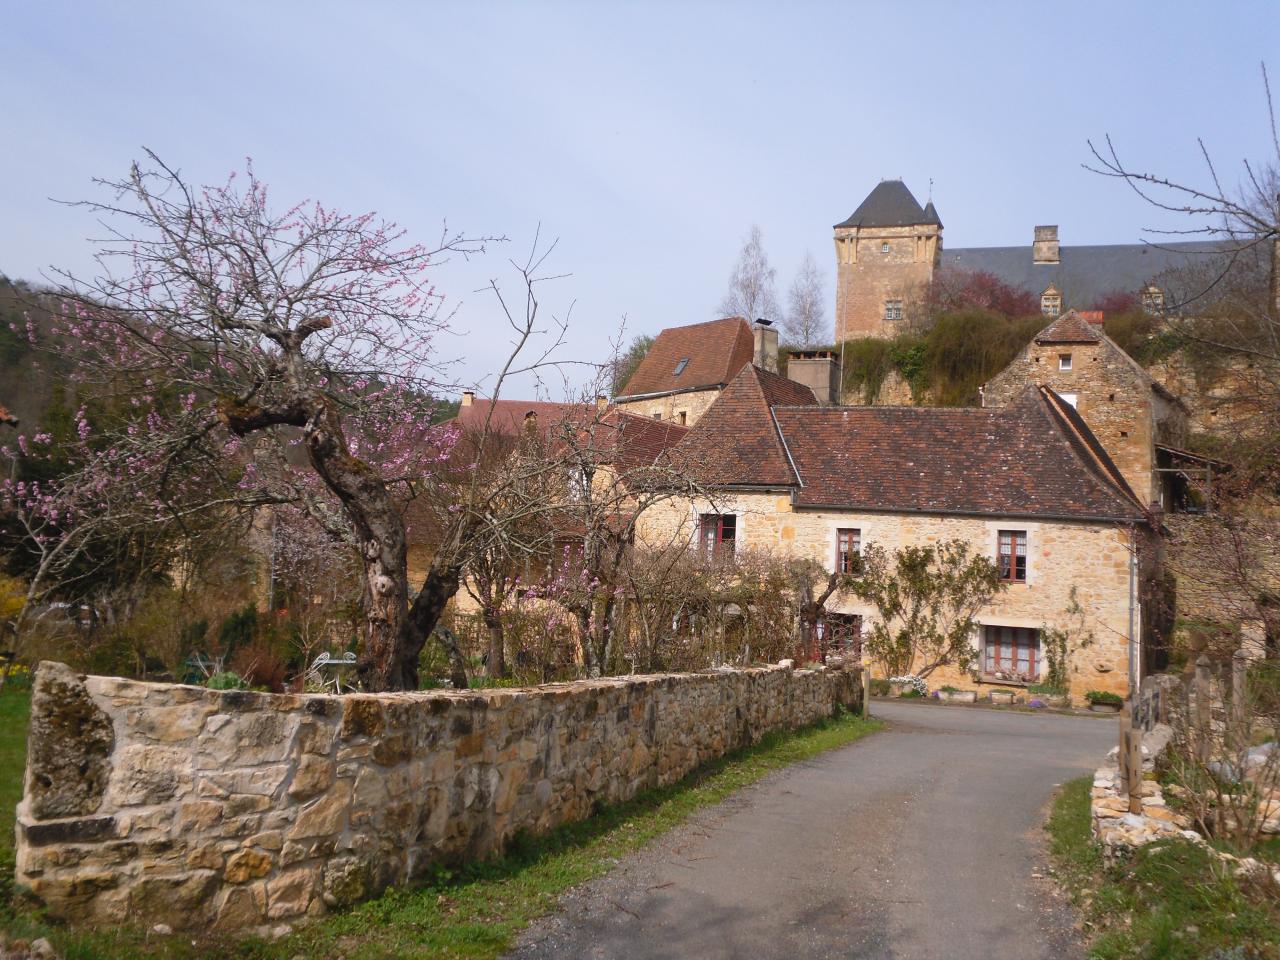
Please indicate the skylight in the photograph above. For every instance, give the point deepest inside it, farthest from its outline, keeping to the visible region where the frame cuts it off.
(680, 367)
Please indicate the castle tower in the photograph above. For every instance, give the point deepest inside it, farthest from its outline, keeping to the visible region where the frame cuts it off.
(886, 253)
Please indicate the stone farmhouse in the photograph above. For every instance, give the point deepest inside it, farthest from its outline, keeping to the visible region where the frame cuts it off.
(889, 249)
(1027, 484)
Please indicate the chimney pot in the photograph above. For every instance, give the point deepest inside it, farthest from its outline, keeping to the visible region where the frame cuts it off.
(468, 397)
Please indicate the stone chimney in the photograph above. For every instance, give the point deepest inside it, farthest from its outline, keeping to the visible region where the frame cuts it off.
(1044, 249)
(819, 370)
(766, 337)
(468, 397)
(602, 403)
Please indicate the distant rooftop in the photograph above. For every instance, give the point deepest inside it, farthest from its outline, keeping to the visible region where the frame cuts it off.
(891, 204)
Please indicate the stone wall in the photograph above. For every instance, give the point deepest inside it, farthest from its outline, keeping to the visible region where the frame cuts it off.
(152, 803)
(1091, 559)
(875, 264)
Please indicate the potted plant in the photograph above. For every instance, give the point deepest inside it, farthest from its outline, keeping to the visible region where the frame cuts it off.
(956, 695)
(1001, 698)
(1103, 701)
(1050, 694)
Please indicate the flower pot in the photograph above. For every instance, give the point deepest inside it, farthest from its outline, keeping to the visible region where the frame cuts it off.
(1056, 702)
(1104, 706)
(958, 696)
(898, 689)
(1002, 698)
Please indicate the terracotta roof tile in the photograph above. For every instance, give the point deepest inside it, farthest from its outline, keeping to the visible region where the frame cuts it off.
(1069, 328)
(713, 352)
(736, 441)
(1019, 460)
(509, 415)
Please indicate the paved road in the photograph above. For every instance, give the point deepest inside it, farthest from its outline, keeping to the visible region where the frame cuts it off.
(920, 842)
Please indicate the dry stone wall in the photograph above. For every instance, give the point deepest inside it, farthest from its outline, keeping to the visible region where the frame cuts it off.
(161, 803)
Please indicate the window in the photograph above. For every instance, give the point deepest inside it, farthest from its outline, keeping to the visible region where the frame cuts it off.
(1051, 304)
(884, 247)
(1153, 299)
(1064, 361)
(1011, 653)
(716, 534)
(1013, 555)
(893, 309)
(684, 417)
(684, 362)
(848, 544)
(657, 415)
(1070, 398)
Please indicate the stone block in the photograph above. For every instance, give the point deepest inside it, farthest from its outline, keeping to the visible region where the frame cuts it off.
(290, 893)
(245, 865)
(325, 815)
(314, 775)
(70, 743)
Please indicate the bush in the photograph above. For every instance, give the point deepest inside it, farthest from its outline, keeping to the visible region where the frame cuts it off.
(260, 666)
(1103, 696)
(879, 688)
(225, 681)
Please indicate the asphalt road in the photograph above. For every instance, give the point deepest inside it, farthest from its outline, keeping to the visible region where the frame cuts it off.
(919, 842)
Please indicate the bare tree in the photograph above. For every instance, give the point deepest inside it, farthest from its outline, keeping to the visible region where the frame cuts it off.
(280, 357)
(805, 324)
(751, 291)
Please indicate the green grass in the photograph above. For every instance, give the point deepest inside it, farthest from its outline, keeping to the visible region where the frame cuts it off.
(1171, 901)
(474, 912)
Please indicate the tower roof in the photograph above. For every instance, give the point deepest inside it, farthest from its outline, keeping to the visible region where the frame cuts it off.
(890, 204)
(931, 214)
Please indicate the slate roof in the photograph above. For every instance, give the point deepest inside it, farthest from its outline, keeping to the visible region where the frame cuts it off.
(736, 442)
(931, 214)
(890, 204)
(1026, 460)
(1086, 273)
(1070, 327)
(715, 350)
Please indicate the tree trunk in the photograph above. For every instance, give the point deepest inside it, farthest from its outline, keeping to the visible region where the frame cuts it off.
(441, 584)
(497, 665)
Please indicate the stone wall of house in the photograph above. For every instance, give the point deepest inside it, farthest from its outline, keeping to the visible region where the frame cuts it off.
(867, 275)
(164, 803)
(692, 405)
(1069, 564)
(1113, 396)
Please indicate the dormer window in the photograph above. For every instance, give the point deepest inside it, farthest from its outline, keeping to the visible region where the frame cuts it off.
(1153, 299)
(1051, 303)
(684, 362)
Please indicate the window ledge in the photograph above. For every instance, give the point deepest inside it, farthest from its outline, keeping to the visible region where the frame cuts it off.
(983, 678)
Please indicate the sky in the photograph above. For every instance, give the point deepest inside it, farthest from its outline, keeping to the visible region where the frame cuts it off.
(643, 138)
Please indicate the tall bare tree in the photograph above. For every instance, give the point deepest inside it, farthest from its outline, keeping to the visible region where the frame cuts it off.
(805, 324)
(751, 292)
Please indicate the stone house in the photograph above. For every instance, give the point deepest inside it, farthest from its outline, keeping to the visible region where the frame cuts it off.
(687, 367)
(1026, 484)
(889, 249)
(1140, 424)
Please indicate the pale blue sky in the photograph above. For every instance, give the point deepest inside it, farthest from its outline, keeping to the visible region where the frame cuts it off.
(646, 137)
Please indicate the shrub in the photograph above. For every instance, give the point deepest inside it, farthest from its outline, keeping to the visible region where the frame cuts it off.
(1103, 696)
(879, 688)
(226, 680)
(260, 666)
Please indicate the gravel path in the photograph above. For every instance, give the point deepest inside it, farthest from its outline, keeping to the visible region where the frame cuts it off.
(920, 842)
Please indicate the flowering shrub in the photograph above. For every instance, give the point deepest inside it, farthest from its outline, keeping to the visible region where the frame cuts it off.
(916, 683)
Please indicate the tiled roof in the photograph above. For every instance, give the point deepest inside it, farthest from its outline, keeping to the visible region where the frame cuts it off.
(632, 442)
(736, 442)
(509, 415)
(1025, 460)
(890, 204)
(1069, 328)
(713, 352)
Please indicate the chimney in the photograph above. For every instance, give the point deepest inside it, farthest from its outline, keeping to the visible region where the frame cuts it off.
(766, 338)
(531, 421)
(468, 397)
(602, 403)
(819, 370)
(1044, 249)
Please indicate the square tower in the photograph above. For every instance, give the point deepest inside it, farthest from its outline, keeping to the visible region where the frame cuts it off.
(886, 253)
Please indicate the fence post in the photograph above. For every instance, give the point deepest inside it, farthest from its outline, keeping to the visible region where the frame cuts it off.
(1130, 772)
(1239, 699)
(866, 692)
(1204, 714)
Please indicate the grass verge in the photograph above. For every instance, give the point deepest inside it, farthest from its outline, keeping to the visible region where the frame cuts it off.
(474, 912)
(1172, 900)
